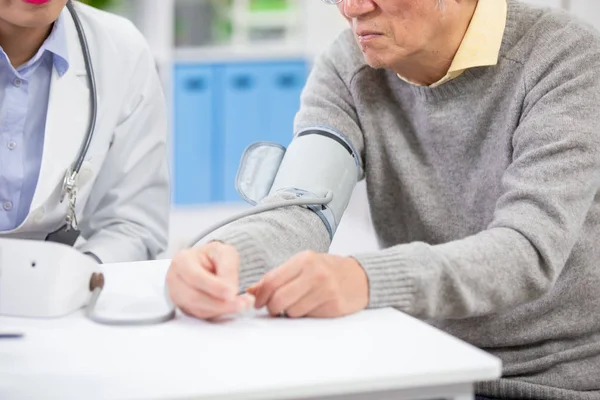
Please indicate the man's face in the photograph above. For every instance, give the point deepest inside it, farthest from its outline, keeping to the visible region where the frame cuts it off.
(30, 13)
(389, 31)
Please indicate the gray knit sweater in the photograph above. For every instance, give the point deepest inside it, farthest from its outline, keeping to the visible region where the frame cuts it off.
(484, 194)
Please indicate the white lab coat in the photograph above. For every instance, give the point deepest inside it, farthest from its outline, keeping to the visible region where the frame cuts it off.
(123, 186)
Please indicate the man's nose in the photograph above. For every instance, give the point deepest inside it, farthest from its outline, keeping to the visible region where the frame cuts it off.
(356, 8)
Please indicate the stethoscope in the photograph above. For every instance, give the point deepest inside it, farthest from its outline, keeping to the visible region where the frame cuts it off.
(69, 232)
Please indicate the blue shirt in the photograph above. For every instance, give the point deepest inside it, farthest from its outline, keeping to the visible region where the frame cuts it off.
(24, 94)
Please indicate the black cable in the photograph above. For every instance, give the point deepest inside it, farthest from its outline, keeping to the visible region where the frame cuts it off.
(308, 201)
(96, 286)
(92, 83)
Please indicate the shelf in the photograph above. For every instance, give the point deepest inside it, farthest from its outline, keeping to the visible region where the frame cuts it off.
(267, 19)
(227, 53)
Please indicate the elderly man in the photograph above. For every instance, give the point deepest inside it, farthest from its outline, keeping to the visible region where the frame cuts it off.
(477, 125)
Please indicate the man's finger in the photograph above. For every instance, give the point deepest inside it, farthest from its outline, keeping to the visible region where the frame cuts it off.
(289, 294)
(328, 309)
(306, 305)
(195, 272)
(252, 290)
(225, 260)
(274, 279)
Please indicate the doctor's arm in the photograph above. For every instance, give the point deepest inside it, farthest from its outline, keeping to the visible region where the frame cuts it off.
(126, 218)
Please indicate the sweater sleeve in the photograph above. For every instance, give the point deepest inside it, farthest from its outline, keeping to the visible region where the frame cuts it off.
(266, 240)
(547, 192)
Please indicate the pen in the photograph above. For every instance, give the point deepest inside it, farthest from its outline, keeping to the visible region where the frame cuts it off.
(10, 335)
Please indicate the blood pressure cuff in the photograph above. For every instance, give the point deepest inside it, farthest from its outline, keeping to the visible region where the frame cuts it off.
(317, 162)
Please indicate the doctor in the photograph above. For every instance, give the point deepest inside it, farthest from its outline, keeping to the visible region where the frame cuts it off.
(122, 189)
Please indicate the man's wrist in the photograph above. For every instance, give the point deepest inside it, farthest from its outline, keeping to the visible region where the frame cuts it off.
(361, 282)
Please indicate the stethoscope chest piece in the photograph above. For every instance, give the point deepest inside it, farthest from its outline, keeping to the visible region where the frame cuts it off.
(69, 191)
(69, 232)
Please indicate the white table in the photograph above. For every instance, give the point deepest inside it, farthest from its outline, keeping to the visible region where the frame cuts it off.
(380, 354)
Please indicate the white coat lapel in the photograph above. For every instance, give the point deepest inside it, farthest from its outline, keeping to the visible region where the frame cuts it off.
(67, 120)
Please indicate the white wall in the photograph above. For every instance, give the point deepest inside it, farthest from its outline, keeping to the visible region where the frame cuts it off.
(588, 10)
(322, 24)
(551, 3)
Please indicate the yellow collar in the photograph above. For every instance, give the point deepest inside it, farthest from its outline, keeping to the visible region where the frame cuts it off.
(481, 45)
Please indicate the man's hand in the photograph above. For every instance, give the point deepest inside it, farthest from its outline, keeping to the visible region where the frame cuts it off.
(313, 285)
(203, 281)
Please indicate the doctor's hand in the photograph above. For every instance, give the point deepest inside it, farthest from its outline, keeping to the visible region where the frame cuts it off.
(313, 285)
(203, 281)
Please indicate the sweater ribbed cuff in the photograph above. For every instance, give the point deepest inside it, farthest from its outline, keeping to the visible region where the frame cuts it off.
(253, 264)
(391, 280)
(513, 389)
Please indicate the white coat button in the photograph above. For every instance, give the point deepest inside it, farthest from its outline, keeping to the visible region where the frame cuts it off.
(8, 205)
(38, 215)
(18, 82)
(11, 145)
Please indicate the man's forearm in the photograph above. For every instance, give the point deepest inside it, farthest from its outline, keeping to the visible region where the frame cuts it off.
(491, 271)
(267, 240)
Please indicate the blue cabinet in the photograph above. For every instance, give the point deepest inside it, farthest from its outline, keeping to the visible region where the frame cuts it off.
(193, 142)
(247, 103)
(243, 115)
(261, 101)
(282, 99)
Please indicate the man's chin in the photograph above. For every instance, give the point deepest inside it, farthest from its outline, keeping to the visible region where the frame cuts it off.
(374, 62)
(373, 57)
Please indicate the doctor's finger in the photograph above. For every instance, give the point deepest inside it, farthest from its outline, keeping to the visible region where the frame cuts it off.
(195, 272)
(225, 259)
